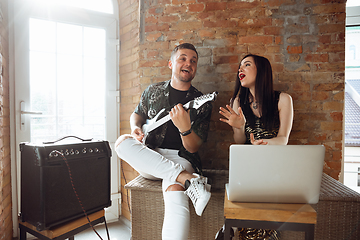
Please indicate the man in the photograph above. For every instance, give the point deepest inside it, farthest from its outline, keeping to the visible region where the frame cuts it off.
(170, 151)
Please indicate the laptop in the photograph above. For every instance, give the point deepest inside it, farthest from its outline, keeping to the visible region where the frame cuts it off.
(275, 173)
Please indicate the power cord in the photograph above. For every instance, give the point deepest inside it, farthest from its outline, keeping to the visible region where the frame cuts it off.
(127, 190)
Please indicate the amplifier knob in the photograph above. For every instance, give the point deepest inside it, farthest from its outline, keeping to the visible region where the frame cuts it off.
(84, 150)
(77, 152)
(90, 150)
(96, 150)
(66, 152)
(53, 154)
(72, 152)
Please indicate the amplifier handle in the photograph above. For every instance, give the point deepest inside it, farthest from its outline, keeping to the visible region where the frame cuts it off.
(67, 137)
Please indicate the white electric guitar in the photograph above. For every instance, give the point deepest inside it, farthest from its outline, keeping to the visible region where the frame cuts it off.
(154, 123)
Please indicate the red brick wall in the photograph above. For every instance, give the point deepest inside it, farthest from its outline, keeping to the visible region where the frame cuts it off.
(5, 166)
(303, 39)
(129, 21)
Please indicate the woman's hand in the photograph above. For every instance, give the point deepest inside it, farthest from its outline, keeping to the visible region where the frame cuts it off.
(236, 120)
(257, 142)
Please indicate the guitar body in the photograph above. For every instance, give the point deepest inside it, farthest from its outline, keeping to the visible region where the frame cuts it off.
(147, 127)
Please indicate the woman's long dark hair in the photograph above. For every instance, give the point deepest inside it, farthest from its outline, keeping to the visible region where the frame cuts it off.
(264, 92)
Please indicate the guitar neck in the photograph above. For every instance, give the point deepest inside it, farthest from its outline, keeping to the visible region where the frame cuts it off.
(163, 120)
(158, 123)
(152, 124)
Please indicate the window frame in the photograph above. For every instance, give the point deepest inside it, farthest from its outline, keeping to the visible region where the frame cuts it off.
(352, 20)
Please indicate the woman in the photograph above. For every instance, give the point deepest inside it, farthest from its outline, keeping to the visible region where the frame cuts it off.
(258, 115)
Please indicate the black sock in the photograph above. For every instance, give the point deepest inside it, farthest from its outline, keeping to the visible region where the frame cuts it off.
(187, 184)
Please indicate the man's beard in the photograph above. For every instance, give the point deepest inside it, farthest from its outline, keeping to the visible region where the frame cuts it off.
(185, 79)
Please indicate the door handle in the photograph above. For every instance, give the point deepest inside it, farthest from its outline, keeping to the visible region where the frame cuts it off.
(34, 113)
(23, 112)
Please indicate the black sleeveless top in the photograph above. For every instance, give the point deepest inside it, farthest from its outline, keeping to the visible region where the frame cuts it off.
(258, 126)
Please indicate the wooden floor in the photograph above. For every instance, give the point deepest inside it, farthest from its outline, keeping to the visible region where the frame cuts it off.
(119, 230)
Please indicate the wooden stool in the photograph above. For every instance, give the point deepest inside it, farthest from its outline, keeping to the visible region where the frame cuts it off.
(293, 217)
(67, 230)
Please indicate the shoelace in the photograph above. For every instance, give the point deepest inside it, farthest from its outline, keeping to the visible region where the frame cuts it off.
(193, 191)
(199, 179)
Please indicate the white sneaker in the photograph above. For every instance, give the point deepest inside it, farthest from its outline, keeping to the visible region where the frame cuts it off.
(203, 180)
(199, 193)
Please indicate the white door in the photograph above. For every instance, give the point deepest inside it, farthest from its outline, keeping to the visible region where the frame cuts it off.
(65, 72)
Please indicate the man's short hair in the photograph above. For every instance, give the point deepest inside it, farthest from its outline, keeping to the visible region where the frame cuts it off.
(184, 46)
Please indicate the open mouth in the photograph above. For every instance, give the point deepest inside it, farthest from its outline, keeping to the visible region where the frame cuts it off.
(185, 70)
(241, 76)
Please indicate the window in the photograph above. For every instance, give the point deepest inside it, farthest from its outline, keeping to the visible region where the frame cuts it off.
(352, 96)
(69, 62)
(352, 52)
(352, 3)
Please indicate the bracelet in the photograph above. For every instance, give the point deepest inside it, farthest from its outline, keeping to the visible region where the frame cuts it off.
(186, 132)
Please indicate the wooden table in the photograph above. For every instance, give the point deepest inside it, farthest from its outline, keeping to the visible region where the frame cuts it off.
(292, 217)
(67, 230)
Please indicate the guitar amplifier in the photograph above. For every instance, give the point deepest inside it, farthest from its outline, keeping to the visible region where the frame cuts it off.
(61, 181)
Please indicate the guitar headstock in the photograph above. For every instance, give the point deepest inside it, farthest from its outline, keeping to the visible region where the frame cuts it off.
(197, 102)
